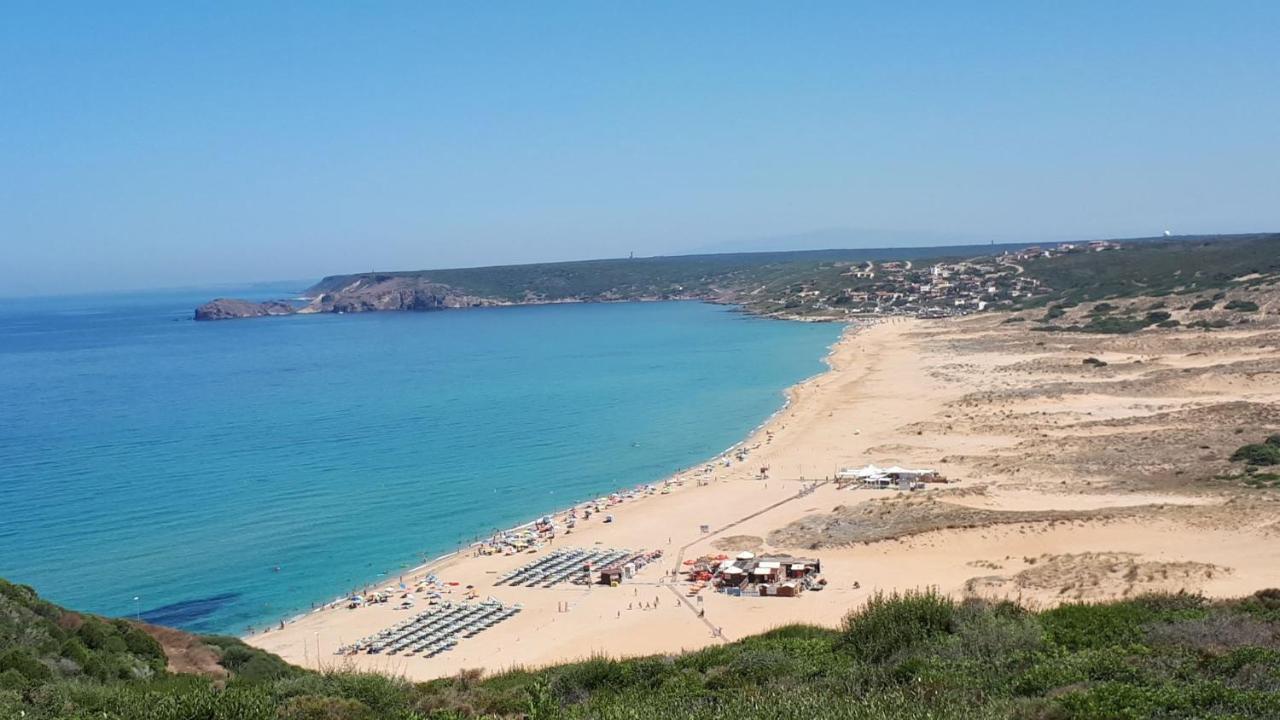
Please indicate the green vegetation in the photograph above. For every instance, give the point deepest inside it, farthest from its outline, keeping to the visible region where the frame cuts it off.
(1263, 453)
(827, 283)
(1159, 268)
(1242, 305)
(1113, 324)
(914, 655)
(40, 642)
(1203, 305)
(782, 274)
(1209, 324)
(1257, 456)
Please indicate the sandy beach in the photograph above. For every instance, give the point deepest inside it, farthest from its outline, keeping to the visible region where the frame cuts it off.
(1069, 481)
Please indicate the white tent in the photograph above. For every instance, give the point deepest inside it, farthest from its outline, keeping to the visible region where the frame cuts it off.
(907, 472)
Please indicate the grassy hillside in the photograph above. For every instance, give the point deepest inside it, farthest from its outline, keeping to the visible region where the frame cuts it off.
(651, 275)
(1158, 268)
(917, 656)
(822, 283)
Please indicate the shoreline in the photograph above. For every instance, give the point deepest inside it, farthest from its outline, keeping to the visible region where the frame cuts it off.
(1030, 520)
(442, 561)
(299, 626)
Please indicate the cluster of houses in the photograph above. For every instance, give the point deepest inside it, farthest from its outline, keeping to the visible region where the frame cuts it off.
(764, 576)
(1036, 252)
(931, 290)
(939, 289)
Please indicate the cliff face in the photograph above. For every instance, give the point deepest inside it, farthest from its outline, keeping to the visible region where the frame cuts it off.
(374, 293)
(362, 294)
(228, 308)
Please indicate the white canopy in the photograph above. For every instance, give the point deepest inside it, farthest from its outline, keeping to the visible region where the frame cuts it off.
(863, 472)
(895, 470)
(744, 555)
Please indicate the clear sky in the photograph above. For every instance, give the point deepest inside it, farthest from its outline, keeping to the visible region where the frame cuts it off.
(176, 143)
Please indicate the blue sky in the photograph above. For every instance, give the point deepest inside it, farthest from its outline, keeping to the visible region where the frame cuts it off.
(162, 144)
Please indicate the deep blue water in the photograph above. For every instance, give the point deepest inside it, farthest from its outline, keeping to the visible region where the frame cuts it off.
(146, 455)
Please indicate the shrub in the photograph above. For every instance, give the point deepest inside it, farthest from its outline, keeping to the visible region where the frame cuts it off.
(1113, 325)
(1242, 306)
(310, 707)
(575, 683)
(1078, 626)
(249, 663)
(1209, 324)
(380, 693)
(889, 624)
(1258, 454)
(1212, 635)
(94, 633)
(759, 665)
(139, 643)
(12, 679)
(75, 651)
(996, 633)
(24, 662)
(1202, 305)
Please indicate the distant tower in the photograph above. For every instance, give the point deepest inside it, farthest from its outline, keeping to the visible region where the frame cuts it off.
(632, 256)
(1167, 233)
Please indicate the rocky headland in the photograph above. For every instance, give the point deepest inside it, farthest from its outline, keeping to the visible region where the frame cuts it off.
(229, 308)
(370, 293)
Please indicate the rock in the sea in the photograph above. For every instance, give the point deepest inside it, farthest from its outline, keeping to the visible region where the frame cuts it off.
(229, 308)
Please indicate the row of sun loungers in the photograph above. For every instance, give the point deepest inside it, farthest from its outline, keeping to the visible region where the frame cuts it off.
(564, 565)
(437, 630)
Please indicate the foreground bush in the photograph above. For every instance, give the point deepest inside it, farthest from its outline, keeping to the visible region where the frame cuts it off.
(917, 655)
(889, 624)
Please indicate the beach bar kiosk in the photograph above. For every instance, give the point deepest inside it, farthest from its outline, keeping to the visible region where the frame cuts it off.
(612, 575)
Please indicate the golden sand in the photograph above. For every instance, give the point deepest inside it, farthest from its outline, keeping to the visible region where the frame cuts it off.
(1074, 482)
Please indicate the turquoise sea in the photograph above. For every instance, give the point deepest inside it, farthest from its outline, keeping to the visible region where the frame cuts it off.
(230, 474)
